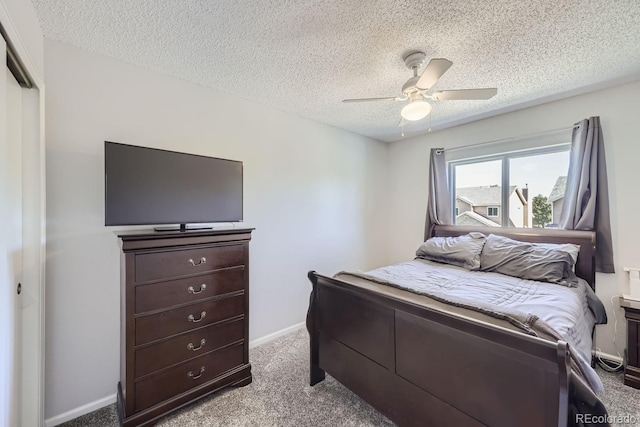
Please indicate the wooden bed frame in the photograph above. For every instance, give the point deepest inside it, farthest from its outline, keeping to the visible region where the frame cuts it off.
(420, 366)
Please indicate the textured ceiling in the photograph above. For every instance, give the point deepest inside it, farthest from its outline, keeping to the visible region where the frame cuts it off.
(304, 57)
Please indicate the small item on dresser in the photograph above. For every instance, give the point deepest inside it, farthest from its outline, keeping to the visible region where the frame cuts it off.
(634, 284)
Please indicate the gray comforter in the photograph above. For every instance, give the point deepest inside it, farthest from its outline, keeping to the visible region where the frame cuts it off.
(538, 308)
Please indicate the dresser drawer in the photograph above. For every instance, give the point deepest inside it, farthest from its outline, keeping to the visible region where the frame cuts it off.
(187, 346)
(159, 265)
(175, 292)
(177, 380)
(172, 322)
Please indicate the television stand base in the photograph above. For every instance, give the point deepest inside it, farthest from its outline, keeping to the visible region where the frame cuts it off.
(183, 227)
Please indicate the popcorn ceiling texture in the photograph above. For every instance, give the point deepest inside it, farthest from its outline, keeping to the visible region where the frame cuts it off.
(304, 57)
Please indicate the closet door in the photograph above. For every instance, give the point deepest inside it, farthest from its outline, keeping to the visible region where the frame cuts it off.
(10, 243)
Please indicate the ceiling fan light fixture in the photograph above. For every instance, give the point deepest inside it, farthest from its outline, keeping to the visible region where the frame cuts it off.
(416, 110)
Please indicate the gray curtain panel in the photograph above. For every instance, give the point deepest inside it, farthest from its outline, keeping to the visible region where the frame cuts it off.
(439, 201)
(586, 200)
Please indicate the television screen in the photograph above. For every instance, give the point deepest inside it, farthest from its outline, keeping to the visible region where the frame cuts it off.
(145, 186)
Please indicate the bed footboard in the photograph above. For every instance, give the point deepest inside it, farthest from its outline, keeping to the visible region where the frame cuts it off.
(421, 366)
(315, 373)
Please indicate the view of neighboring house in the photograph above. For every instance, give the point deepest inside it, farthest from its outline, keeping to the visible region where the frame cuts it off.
(556, 197)
(483, 206)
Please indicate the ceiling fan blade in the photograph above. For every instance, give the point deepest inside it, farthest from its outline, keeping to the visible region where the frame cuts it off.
(432, 73)
(391, 98)
(448, 95)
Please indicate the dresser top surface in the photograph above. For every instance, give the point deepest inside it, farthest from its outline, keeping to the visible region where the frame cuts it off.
(630, 304)
(148, 239)
(152, 234)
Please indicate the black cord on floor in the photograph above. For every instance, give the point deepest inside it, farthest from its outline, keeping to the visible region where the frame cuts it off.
(609, 366)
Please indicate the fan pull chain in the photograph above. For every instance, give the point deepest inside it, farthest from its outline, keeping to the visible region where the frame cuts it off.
(430, 115)
(402, 125)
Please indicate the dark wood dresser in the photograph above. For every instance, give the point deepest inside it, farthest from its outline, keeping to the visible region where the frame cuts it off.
(184, 325)
(632, 368)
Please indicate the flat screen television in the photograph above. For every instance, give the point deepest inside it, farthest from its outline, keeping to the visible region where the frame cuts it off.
(148, 186)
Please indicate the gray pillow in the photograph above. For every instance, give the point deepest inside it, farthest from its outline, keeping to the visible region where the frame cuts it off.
(462, 251)
(544, 262)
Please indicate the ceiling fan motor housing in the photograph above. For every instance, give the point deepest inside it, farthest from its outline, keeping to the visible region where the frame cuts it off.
(415, 60)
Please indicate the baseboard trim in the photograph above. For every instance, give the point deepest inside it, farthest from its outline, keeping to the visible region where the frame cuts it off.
(80, 411)
(609, 357)
(277, 334)
(100, 403)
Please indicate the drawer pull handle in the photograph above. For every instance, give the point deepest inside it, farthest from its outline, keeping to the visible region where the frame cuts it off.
(191, 318)
(195, 377)
(193, 263)
(192, 348)
(193, 291)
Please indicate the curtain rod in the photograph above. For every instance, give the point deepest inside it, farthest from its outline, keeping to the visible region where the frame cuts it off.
(513, 138)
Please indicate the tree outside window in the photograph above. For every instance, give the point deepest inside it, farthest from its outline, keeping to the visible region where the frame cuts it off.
(541, 210)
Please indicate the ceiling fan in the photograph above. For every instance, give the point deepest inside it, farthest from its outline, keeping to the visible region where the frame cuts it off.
(416, 88)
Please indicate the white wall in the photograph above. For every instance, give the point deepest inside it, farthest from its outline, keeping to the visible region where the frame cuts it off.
(618, 111)
(315, 194)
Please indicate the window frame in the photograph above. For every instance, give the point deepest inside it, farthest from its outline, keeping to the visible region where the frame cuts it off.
(505, 184)
(497, 208)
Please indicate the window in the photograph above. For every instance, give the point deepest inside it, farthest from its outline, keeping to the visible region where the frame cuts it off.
(526, 186)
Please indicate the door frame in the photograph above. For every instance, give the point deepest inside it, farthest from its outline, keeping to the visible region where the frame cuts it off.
(34, 196)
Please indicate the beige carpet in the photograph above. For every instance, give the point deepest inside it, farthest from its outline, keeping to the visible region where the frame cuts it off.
(281, 396)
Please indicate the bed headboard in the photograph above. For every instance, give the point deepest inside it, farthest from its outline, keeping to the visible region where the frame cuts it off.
(586, 264)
